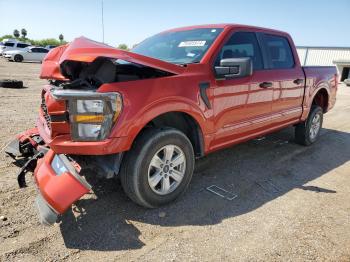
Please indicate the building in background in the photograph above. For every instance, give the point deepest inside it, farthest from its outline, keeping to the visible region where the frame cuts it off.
(326, 56)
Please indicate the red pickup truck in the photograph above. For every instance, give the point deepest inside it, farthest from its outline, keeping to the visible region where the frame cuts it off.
(147, 114)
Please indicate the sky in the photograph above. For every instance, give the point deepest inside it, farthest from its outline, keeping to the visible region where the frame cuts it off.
(312, 23)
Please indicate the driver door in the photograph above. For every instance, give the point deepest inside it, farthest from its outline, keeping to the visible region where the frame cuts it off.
(242, 106)
(42, 53)
(30, 54)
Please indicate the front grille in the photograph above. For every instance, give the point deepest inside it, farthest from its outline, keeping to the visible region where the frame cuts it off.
(45, 111)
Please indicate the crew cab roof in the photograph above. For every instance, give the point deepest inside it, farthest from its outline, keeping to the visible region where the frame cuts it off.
(227, 25)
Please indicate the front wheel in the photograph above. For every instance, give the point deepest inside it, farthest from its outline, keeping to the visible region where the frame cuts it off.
(18, 58)
(306, 133)
(158, 168)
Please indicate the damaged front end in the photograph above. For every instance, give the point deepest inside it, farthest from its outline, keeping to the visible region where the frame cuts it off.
(27, 147)
(59, 184)
(75, 121)
(56, 175)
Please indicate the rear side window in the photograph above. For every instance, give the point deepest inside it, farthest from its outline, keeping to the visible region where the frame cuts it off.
(22, 45)
(242, 44)
(9, 44)
(43, 50)
(280, 55)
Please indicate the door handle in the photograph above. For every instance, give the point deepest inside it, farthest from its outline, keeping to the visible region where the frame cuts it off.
(265, 84)
(298, 81)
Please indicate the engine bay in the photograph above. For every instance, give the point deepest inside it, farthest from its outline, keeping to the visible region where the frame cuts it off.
(102, 70)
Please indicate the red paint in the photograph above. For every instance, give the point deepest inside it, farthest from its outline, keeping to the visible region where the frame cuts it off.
(59, 191)
(240, 109)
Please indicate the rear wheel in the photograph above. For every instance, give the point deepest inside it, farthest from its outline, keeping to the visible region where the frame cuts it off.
(18, 58)
(306, 133)
(158, 168)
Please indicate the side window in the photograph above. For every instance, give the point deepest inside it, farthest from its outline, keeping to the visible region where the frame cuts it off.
(9, 44)
(37, 50)
(21, 45)
(43, 50)
(280, 55)
(242, 44)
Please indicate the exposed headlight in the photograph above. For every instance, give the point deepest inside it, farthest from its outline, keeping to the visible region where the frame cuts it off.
(89, 130)
(90, 106)
(58, 166)
(91, 114)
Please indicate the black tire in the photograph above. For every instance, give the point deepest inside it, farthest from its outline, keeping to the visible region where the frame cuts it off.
(9, 83)
(302, 130)
(135, 166)
(18, 58)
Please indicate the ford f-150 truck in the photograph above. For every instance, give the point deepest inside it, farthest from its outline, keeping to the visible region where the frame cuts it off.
(147, 114)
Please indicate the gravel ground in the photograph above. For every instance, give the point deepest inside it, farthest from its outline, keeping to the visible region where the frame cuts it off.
(293, 202)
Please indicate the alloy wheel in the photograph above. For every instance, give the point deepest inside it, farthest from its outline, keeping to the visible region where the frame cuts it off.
(166, 169)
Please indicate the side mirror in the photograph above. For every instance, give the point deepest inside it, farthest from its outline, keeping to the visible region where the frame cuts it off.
(234, 68)
(29, 50)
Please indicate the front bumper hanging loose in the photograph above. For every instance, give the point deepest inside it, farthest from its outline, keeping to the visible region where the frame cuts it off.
(28, 166)
(29, 147)
(56, 176)
(59, 185)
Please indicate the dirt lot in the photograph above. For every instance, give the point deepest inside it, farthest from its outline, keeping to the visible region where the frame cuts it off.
(293, 202)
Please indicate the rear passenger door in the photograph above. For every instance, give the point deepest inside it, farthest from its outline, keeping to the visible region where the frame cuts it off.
(286, 76)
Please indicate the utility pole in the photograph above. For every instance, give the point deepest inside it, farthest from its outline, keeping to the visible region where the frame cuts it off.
(103, 27)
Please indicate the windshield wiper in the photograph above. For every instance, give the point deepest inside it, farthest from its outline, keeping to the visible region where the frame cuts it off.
(185, 64)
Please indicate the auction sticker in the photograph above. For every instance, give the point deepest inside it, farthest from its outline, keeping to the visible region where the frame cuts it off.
(192, 43)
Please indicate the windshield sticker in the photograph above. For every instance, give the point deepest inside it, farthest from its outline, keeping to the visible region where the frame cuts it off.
(192, 43)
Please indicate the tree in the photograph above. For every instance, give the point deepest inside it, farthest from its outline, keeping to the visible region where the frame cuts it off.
(123, 47)
(5, 37)
(60, 37)
(24, 33)
(16, 33)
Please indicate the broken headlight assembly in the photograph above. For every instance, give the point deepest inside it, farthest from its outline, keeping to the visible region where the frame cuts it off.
(91, 114)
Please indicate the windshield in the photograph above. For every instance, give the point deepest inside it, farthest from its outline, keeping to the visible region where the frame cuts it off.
(179, 47)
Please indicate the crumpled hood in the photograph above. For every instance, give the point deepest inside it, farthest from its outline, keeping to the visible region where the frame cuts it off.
(86, 50)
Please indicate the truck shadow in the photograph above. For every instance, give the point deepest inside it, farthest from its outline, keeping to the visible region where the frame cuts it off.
(257, 172)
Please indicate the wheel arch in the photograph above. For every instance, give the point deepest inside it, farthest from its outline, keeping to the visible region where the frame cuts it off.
(183, 122)
(321, 98)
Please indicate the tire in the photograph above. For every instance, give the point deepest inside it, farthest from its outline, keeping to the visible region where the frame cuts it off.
(305, 132)
(18, 58)
(137, 170)
(9, 83)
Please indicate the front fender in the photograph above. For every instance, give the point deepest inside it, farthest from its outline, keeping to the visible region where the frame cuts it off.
(132, 125)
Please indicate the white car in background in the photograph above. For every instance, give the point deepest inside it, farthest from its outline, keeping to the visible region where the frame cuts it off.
(33, 54)
(11, 45)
